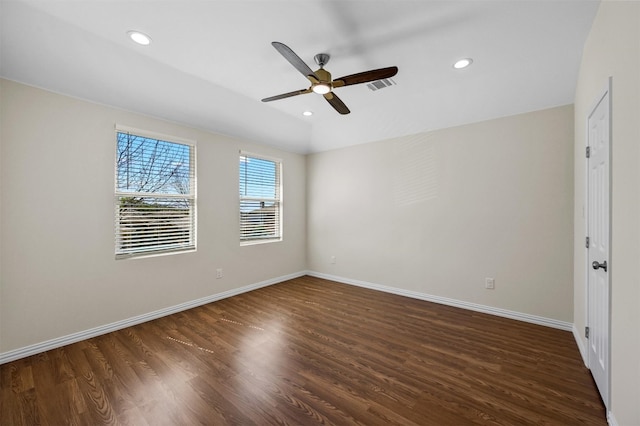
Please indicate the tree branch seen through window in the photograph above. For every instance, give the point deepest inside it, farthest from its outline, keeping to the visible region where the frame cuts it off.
(155, 196)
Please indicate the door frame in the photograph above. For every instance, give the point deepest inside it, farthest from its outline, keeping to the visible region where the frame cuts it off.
(607, 90)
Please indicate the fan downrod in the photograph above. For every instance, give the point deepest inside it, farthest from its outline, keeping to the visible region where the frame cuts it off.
(322, 59)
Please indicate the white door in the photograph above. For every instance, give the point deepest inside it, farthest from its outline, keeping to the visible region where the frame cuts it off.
(599, 263)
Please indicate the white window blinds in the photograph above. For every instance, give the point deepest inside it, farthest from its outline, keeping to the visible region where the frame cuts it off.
(260, 199)
(155, 197)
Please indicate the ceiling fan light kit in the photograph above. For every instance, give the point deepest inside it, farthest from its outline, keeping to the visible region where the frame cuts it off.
(321, 82)
(321, 88)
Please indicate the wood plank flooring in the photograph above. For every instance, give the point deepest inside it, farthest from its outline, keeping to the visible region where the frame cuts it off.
(309, 351)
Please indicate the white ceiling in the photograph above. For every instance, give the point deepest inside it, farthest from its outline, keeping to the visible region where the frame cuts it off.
(211, 62)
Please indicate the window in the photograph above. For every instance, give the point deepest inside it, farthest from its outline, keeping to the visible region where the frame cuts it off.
(260, 199)
(154, 196)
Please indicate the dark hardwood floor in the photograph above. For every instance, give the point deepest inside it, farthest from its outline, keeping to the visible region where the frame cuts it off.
(309, 351)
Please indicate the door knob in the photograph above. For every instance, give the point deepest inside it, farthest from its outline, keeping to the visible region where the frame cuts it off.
(597, 265)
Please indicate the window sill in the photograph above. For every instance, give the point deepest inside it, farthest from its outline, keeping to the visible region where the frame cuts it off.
(153, 254)
(258, 242)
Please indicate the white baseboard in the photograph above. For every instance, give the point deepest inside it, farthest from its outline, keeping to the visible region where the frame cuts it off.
(118, 325)
(580, 343)
(534, 319)
(611, 419)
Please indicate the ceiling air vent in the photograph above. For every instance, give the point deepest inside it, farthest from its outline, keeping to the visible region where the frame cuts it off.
(381, 84)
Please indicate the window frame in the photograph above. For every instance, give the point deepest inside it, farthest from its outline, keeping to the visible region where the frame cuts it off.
(191, 197)
(277, 200)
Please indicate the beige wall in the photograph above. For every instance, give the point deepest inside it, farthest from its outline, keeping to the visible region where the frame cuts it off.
(613, 49)
(436, 213)
(58, 270)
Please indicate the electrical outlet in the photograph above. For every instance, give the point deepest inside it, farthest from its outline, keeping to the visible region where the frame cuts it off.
(333, 260)
(218, 273)
(489, 283)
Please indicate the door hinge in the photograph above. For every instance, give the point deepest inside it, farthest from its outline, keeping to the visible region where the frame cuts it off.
(587, 244)
(586, 332)
(588, 152)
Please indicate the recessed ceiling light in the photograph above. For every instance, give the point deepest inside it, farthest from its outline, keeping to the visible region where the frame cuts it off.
(307, 113)
(462, 63)
(139, 37)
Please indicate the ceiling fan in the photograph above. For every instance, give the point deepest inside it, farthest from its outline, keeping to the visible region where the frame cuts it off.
(321, 82)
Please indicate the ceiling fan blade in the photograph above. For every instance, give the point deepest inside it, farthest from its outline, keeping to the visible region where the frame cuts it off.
(365, 77)
(293, 59)
(336, 103)
(287, 95)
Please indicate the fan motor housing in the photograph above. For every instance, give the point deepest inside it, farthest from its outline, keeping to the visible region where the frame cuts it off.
(323, 75)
